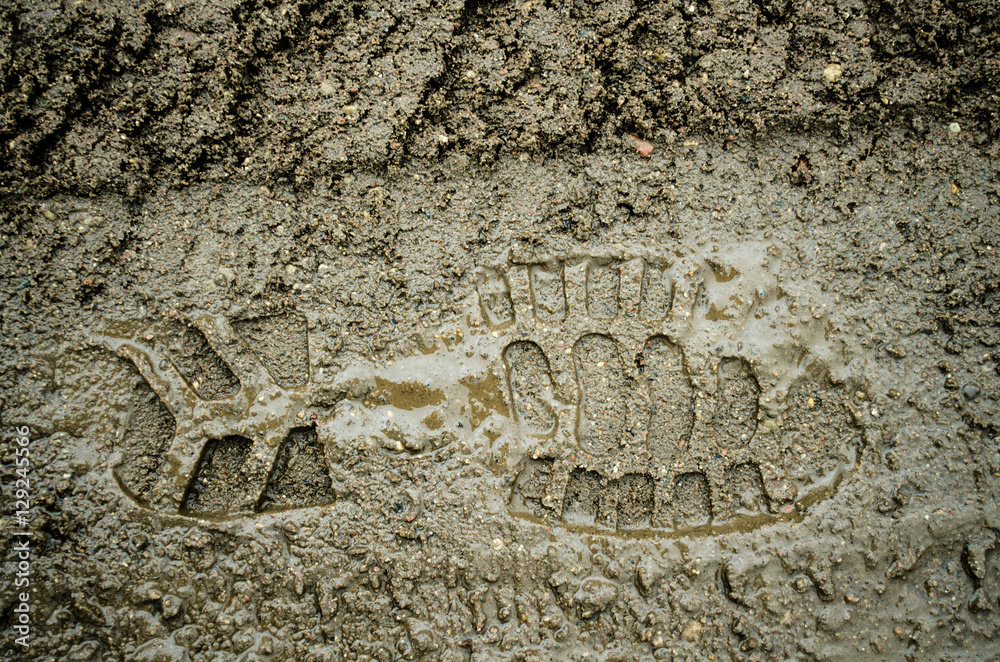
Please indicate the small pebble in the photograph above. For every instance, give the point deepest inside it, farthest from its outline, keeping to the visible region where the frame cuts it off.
(171, 606)
(225, 276)
(693, 631)
(644, 147)
(954, 127)
(970, 391)
(833, 73)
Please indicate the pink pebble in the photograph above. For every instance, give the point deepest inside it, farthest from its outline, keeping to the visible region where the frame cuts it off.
(644, 147)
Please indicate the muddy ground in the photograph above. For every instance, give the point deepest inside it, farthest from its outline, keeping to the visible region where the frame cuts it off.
(501, 331)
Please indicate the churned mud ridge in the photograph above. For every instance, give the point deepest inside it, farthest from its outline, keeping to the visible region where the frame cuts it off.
(100, 96)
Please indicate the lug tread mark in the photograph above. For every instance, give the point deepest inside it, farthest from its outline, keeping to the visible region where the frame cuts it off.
(301, 476)
(258, 467)
(816, 421)
(531, 387)
(235, 351)
(521, 296)
(281, 344)
(742, 492)
(691, 504)
(161, 375)
(726, 420)
(630, 290)
(584, 498)
(656, 294)
(671, 408)
(576, 276)
(603, 290)
(686, 285)
(636, 501)
(604, 390)
(495, 299)
(548, 292)
(221, 451)
(645, 439)
(195, 359)
(147, 437)
(220, 479)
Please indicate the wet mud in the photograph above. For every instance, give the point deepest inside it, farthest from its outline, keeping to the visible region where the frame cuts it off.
(502, 331)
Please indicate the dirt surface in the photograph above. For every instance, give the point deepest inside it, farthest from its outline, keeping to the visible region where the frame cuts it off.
(501, 331)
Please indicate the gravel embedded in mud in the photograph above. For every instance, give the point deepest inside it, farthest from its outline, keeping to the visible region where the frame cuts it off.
(502, 331)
